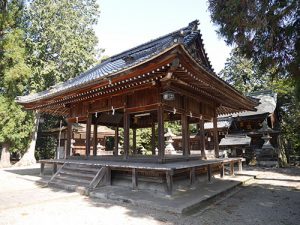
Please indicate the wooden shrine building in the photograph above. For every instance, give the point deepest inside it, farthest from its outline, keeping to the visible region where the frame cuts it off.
(167, 79)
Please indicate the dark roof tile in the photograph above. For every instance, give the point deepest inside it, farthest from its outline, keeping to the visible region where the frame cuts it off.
(117, 63)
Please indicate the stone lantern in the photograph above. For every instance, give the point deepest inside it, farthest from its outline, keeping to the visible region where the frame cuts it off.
(267, 148)
(169, 140)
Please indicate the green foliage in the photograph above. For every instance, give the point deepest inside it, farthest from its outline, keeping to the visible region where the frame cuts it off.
(265, 31)
(45, 147)
(246, 76)
(61, 40)
(62, 44)
(15, 124)
(289, 110)
(243, 74)
(47, 143)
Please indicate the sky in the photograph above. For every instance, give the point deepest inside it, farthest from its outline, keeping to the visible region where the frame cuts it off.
(124, 24)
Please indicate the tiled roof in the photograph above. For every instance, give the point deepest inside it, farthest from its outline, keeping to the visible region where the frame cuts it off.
(231, 140)
(267, 104)
(124, 61)
(220, 124)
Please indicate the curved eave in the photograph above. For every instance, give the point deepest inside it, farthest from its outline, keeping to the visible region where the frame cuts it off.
(239, 98)
(104, 79)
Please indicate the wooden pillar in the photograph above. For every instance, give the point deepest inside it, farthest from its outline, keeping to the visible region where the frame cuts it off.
(42, 169)
(231, 168)
(108, 175)
(209, 172)
(202, 138)
(216, 138)
(185, 135)
(169, 180)
(54, 169)
(161, 138)
(192, 176)
(222, 170)
(95, 139)
(116, 150)
(153, 137)
(134, 179)
(88, 136)
(126, 134)
(134, 141)
(69, 137)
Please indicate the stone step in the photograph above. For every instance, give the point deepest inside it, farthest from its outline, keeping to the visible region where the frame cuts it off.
(69, 187)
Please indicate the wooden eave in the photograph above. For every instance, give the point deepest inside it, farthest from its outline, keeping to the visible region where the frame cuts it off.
(204, 81)
(190, 77)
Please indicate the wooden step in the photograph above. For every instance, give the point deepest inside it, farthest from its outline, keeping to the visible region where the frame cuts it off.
(84, 169)
(73, 180)
(75, 173)
(75, 165)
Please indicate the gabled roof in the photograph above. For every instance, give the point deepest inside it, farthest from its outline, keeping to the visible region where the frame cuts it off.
(141, 65)
(128, 59)
(267, 104)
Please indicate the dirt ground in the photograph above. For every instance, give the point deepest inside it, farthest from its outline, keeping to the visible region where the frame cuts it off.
(272, 198)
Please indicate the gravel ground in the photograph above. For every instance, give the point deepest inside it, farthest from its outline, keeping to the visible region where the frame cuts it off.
(272, 198)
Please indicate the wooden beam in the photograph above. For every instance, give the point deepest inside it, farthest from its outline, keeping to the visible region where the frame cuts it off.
(161, 139)
(69, 137)
(88, 135)
(134, 141)
(126, 133)
(116, 149)
(216, 138)
(137, 109)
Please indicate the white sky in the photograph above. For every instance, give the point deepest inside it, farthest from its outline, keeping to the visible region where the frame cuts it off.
(127, 23)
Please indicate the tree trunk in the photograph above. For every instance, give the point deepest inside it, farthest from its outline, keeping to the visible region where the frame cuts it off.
(28, 158)
(282, 156)
(5, 156)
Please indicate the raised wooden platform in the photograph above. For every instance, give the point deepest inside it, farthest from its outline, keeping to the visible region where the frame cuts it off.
(164, 172)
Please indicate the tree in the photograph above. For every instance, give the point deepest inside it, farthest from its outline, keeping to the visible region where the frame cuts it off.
(61, 39)
(246, 76)
(265, 31)
(15, 124)
(243, 74)
(62, 44)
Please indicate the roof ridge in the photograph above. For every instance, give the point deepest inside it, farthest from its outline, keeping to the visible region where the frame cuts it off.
(191, 26)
